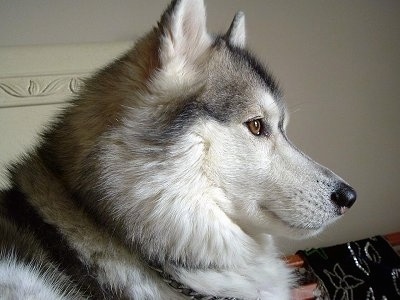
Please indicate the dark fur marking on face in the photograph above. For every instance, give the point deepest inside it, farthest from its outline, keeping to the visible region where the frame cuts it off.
(264, 74)
(177, 120)
(172, 120)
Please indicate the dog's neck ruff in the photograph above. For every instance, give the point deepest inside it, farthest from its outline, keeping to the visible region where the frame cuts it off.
(183, 289)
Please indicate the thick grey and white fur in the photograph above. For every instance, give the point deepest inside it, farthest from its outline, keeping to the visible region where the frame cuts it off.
(173, 157)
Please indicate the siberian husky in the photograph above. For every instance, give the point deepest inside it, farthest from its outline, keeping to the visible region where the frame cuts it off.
(166, 178)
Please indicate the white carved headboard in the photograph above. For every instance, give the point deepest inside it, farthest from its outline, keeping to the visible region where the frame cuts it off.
(35, 82)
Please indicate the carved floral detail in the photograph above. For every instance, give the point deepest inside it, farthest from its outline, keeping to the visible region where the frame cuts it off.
(37, 89)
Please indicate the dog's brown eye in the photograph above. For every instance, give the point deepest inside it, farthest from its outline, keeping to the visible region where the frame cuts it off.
(255, 126)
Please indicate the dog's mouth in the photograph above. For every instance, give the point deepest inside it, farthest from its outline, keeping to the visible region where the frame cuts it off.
(304, 226)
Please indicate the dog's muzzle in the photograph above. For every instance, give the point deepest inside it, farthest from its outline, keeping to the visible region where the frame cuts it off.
(344, 196)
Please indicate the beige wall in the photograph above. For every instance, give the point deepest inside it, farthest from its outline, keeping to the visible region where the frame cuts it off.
(338, 62)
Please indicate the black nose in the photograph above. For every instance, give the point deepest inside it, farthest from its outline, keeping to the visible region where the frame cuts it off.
(344, 196)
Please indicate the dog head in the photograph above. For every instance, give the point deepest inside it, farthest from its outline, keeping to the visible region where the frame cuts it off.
(195, 131)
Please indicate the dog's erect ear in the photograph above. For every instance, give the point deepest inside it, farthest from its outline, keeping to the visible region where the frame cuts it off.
(236, 34)
(183, 31)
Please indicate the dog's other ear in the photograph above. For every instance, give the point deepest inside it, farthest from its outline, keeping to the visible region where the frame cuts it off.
(236, 34)
(183, 32)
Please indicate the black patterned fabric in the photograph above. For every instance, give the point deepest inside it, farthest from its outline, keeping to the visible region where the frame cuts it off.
(365, 269)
